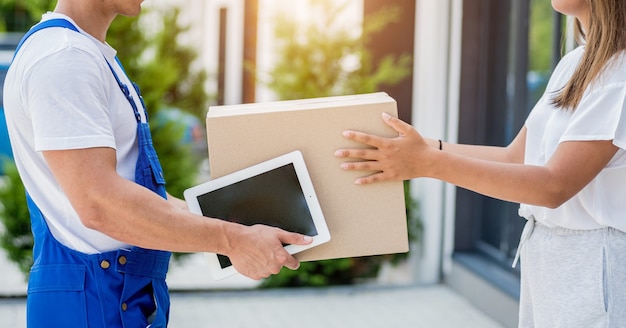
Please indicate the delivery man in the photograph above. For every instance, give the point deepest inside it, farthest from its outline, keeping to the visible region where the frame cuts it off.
(102, 221)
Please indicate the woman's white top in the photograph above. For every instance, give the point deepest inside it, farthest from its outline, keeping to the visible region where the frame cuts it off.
(600, 116)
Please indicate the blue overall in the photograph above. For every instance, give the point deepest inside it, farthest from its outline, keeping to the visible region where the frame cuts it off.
(121, 288)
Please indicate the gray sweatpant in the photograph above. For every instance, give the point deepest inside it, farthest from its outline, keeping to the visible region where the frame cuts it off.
(573, 278)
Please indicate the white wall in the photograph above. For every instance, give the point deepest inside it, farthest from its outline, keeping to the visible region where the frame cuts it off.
(435, 115)
(234, 46)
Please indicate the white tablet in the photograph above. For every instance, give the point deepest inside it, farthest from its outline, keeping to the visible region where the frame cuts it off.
(277, 193)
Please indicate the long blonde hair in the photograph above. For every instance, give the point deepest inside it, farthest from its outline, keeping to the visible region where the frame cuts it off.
(606, 36)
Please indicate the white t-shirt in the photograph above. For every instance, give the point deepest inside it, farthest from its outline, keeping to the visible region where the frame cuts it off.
(601, 115)
(60, 94)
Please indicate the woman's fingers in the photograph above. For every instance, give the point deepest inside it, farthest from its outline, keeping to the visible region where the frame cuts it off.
(397, 124)
(358, 153)
(364, 138)
(387, 157)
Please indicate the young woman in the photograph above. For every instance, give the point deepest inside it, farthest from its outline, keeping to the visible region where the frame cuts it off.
(566, 167)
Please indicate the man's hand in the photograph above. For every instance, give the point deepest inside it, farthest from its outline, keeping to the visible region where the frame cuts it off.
(257, 251)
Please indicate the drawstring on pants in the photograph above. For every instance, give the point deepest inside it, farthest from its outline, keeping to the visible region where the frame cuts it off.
(528, 230)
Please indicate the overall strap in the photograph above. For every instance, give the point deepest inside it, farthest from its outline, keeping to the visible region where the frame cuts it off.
(61, 22)
(127, 94)
(57, 22)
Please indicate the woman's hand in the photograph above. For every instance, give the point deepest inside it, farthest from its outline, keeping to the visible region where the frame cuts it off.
(400, 158)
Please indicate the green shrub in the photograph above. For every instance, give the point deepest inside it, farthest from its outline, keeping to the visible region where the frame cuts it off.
(16, 237)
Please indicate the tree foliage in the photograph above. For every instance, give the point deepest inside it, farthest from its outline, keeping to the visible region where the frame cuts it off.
(160, 65)
(16, 237)
(20, 15)
(324, 58)
(540, 35)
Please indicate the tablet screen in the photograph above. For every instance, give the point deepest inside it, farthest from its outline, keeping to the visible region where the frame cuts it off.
(273, 198)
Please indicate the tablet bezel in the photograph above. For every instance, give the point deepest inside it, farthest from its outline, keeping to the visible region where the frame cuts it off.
(192, 194)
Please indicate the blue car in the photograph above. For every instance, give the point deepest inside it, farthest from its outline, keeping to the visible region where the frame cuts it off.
(8, 43)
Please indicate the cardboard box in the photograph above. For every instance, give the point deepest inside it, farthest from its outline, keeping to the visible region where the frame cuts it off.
(363, 220)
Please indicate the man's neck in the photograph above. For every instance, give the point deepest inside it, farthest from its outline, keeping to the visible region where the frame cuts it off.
(93, 20)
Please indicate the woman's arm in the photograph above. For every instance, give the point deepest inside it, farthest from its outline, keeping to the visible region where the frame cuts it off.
(513, 153)
(497, 172)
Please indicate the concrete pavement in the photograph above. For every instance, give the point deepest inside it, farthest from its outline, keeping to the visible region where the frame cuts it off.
(341, 307)
(236, 303)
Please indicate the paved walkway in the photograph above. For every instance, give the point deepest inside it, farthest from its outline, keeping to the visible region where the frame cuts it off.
(341, 307)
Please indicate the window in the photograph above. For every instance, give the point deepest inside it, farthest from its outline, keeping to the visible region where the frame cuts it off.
(509, 50)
